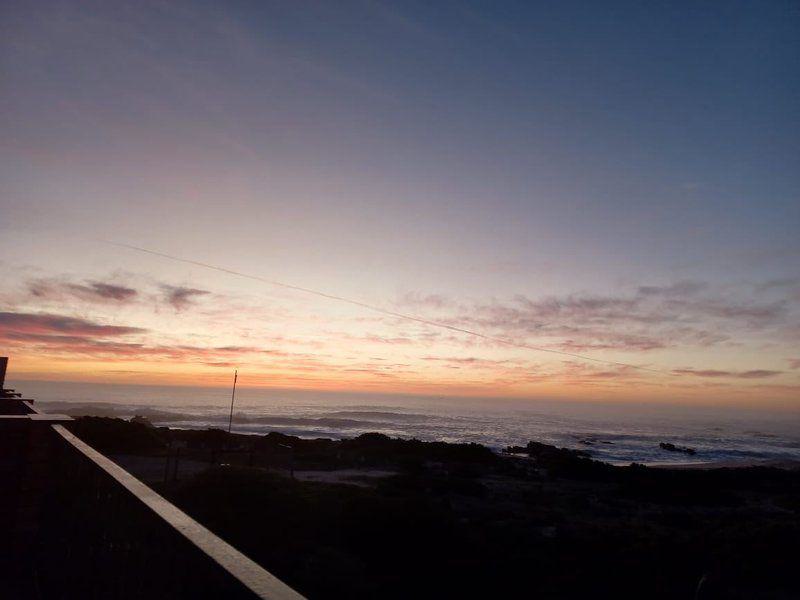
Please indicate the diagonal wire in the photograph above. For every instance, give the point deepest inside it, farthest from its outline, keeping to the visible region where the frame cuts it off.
(383, 311)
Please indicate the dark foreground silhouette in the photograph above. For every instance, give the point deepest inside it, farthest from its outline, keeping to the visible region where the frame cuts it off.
(380, 517)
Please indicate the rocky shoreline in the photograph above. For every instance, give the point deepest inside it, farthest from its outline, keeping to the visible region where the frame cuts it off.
(375, 516)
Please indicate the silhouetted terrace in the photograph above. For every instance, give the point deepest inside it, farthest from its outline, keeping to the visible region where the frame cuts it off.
(79, 526)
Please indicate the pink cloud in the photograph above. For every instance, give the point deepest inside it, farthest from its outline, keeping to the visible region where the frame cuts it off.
(44, 324)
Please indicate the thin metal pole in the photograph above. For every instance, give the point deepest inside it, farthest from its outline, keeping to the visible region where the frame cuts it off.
(233, 395)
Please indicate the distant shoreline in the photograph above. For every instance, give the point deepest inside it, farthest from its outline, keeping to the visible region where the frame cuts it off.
(738, 463)
(744, 463)
(620, 440)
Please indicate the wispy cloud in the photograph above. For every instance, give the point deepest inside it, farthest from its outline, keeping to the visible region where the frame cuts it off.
(687, 313)
(680, 288)
(713, 373)
(780, 284)
(472, 362)
(419, 300)
(89, 291)
(74, 337)
(180, 297)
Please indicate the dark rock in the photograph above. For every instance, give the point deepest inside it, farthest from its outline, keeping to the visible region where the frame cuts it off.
(673, 448)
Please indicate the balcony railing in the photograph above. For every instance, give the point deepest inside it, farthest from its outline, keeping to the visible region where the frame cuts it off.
(83, 527)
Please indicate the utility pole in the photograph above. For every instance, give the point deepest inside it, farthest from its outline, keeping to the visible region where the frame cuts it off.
(233, 395)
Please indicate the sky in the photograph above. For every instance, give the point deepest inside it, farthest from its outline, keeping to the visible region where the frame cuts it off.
(617, 180)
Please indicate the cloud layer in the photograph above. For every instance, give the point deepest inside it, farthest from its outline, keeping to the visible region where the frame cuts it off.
(104, 321)
(684, 314)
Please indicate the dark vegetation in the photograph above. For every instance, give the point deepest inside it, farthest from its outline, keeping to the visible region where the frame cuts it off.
(116, 436)
(457, 520)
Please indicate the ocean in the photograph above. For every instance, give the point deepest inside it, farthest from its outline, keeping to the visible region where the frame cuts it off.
(613, 432)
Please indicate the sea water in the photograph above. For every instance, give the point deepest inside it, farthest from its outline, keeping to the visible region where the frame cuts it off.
(614, 432)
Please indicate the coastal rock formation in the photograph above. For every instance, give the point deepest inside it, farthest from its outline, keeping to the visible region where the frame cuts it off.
(669, 447)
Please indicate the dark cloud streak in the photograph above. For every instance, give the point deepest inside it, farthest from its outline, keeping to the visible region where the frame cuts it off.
(713, 373)
(90, 291)
(180, 297)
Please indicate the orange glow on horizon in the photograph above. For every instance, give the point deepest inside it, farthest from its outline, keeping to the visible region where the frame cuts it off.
(631, 389)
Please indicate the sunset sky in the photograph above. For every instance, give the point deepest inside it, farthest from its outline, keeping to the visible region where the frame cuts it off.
(618, 182)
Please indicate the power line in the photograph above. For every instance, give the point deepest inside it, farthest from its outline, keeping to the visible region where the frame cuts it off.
(383, 311)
